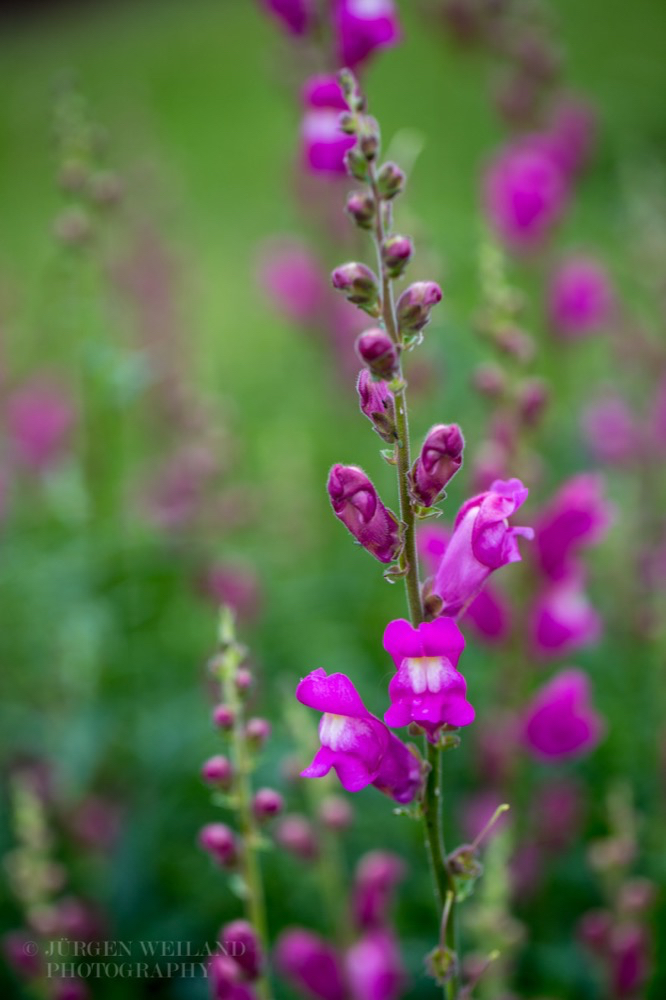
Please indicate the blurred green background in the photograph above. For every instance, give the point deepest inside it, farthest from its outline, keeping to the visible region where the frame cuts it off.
(103, 637)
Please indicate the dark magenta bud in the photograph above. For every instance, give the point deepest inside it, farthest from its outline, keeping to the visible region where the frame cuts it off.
(223, 716)
(257, 732)
(414, 305)
(356, 503)
(375, 879)
(240, 943)
(358, 284)
(218, 771)
(295, 834)
(378, 352)
(243, 680)
(336, 813)
(219, 841)
(594, 929)
(516, 343)
(267, 803)
(361, 208)
(440, 459)
(390, 181)
(397, 251)
(532, 400)
(225, 980)
(369, 137)
(378, 405)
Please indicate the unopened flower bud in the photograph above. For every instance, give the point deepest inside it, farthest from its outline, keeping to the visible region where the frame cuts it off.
(356, 164)
(240, 943)
(295, 834)
(348, 123)
(243, 680)
(390, 181)
(442, 964)
(218, 771)
(267, 803)
(361, 208)
(358, 284)
(532, 399)
(594, 929)
(515, 342)
(356, 503)
(397, 252)
(378, 405)
(414, 305)
(376, 350)
(440, 459)
(489, 380)
(219, 841)
(73, 175)
(257, 732)
(223, 716)
(106, 188)
(73, 227)
(350, 90)
(369, 138)
(336, 813)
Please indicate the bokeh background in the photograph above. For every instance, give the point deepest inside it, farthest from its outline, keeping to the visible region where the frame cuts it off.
(204, 422)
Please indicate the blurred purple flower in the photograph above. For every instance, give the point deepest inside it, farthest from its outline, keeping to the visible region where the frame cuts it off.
(577, 516)
(323, 141)
(296, 15)
(427, 688)
(291, 276)
(310, 964)
(225, 980)
(40, 418)
(580, 298)
(562, 619)
(374, 967)
(232, 585)
(610, 429)
(363, 26)
(356, 744)
(376, 876)
(560, 721)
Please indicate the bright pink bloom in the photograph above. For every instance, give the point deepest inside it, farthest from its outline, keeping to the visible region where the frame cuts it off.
(356, 744)
(376, 876)
(525, 194)
(356, 503)
(40, 417)
(295, 15)
(439, 460)
(374, 967)
(560, 722)
(481, 543)
(324, 142)
(578, 516)
(291, 276)
(225, 980)
(610, 430)
(580, 298)
(427, 688)
(363, 26)
(562, 619)
(310, 964)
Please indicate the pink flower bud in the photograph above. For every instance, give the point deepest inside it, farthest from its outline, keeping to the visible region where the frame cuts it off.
(336, 813)
(580, 298)
(358, 284)
(295, 15)
(516, 343)
(267, 803)
(414, 305)
(257, 732)
(378, 405)
(390, 181)
(356, 503)
(489, 380)
(225, 980)
(310, 964)
(223, 716)
(377, 874)
(295, 834)
(397, 251)
(532, 400)
(243, 680)
(376, 350)
(240, 942)
(218, 771)
(440, 459)
(363, 27)
(361, 208)
(219, 841)
(40, 417)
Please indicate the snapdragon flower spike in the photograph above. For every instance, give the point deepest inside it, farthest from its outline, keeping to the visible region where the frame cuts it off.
(482, 542)
(363, 26)
(427, 688)
(356, 503)
(560, 721)
(376, 350)
(438, 462)
(355, 743)
(378, 405)
(415, 304)
(578, 516)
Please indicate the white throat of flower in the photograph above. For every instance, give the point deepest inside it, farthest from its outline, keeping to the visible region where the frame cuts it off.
(426, 673)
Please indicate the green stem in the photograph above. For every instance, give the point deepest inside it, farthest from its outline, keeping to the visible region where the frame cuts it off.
(432, 813)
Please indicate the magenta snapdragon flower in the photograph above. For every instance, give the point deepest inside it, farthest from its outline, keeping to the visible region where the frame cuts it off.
(296, 15)
(427, 688)
(578, 516)
(525, 193)
(324, 142)
(374, 967)
(310, 964)
(355, 743)
(580, 298)
(363, 26)
(482, 541)
(226, 981)
(376, 876)
(560, 721)
(562, 618)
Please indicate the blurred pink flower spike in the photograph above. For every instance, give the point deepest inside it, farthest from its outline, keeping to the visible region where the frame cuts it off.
(356, 744)
(562, 619)
(560, 721)
(427, 688)
(580, 298)
(40, 417)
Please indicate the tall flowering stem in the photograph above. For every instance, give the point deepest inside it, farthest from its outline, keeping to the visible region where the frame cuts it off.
(403, 324)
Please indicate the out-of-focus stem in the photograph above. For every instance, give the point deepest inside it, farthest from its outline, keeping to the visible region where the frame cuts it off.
(432, 812)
